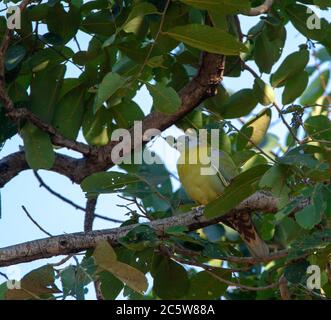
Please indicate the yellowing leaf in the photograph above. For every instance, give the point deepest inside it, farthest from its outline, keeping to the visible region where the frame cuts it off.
(254, 131)
(106, 259)
(265, 93)
(37, 283)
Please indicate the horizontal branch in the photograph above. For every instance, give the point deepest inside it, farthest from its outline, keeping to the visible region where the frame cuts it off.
(77, 242)
(13, 164)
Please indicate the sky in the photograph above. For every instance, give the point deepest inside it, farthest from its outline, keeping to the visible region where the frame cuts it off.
(57, 217)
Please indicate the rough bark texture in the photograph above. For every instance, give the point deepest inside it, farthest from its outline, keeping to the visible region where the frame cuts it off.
(76, 242)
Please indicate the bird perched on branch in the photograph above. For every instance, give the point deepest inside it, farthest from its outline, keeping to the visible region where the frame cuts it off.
(205, 171)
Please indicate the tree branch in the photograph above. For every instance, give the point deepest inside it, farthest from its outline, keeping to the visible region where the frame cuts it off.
(15, 163)
(89, 214)
(202, 86)
(263, 8)
(76, 242)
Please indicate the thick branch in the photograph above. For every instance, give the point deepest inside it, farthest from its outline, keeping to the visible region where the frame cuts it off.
(76, 242)
(15, 163)
(203, 85)
(263, 8)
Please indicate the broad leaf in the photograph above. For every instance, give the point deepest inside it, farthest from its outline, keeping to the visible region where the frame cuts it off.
(165, 99)
(241, 187)
(207, 39)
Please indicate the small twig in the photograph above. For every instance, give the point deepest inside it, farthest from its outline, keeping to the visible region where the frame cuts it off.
(249, 69)
(62, 261)
(253, 143)
(88, 226)
(77, 43)
(4, 275)
(234, 284)
(68, 201)
(24, 114)
(35, 222)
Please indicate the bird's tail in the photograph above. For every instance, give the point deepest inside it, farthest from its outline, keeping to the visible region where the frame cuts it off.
(243, 224)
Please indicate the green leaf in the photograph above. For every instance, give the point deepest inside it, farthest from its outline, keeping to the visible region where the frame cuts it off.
(318, 127)
(107, 182)
(265, 226)
(240, 188)
(318, 240)
(239, 104)
(308, 217)
(170, 280)
(63, 23)
(100, 22)
(126, 112)
(139, 238)
(7, 128)
(38, 147)
(138, 11)
(294, 87)
(256, 160)
(293, 64)
(275, 179)
(224, 6)
(254, 131)
(267, 51)
(264, 92)
(15, 54)
(301, 17)
(46, 58)
(204, 286)
(108, 86)
(315, 89)
(3, 290)
(207, 39)
(296, 272)
(106, 259)
(165, 99)
(45, 89)
(37, 12)
(110, 285)
(96, 126)
(69, 113)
